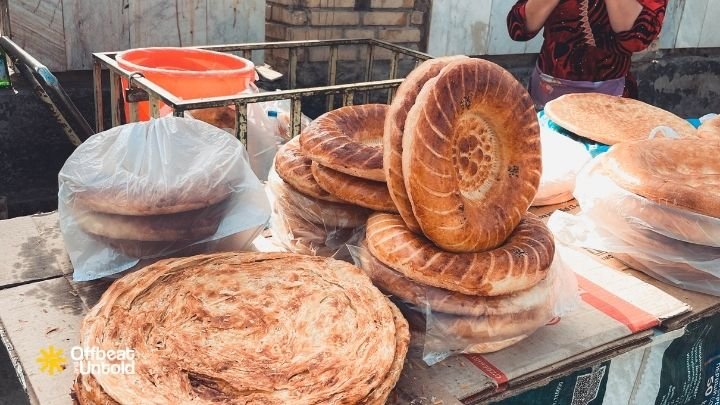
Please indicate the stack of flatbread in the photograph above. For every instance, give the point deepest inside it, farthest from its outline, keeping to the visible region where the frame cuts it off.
(234, 328)
(656, 205)
(462, 162)
(328, 180)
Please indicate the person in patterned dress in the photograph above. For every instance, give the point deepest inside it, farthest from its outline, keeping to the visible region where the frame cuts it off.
(587, 44)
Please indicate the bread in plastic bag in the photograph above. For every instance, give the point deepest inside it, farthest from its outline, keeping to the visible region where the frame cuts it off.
(268, 126)
(562, 159)
(310, 226)
(458, 323)
(155, 188)
(658, 240)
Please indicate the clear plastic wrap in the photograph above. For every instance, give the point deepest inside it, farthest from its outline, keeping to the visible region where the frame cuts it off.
(155, 188)
(667, 243)
(310, 226)
(268, 127)
(562, 159)
(457, 323)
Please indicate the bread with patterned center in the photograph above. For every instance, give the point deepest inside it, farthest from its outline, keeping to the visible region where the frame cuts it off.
(395, 126)
(293, 167)
(348, 140)
(519, 264)
(471, 156)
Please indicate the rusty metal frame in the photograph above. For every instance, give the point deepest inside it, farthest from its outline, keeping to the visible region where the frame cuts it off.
(143, 89)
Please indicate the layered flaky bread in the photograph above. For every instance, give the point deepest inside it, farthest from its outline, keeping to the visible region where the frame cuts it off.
(450, 302)
(682, 173)
(515, 266)
(395, 126)
(294, 168)
(266, 328)
(348, 140)
(365, 193)
(471, 156)
(610, 119)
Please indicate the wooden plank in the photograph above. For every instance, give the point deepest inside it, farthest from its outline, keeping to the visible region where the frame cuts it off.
(94, 26)
(26, 255)
(710, 34)
(34, 317)
(169, 22)
(691, 24)
(456, 28)
(500, 42)
(37, 27)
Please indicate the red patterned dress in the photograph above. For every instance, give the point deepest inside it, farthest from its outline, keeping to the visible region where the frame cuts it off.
(580, 44)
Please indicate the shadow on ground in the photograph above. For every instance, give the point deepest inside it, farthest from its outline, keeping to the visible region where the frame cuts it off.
(11, 393)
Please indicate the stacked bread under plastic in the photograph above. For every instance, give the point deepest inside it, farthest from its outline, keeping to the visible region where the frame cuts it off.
(271, 328)
(462, 162)
(328, 180)
(654, 204)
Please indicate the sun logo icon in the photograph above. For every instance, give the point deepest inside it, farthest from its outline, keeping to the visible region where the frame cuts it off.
(51, 360)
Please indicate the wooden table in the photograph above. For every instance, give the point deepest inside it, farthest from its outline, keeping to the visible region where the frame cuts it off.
(40, 305)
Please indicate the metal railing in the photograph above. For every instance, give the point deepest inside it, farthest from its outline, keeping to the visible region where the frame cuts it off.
(140, 88)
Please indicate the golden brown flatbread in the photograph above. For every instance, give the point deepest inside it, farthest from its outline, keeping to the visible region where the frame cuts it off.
(365, 193)
(348, 140)
(515, 266)
(294, 168)
(471, 156)
(450, 302)
(683, 173)
(395, 126)
(610, 119)
(255, 327)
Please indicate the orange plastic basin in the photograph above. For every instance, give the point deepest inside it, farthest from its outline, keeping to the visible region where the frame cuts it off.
(187, 73)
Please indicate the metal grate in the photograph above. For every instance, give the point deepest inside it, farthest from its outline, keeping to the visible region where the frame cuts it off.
(140, 88)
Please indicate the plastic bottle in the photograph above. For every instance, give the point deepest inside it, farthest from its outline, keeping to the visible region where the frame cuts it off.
(4, 72)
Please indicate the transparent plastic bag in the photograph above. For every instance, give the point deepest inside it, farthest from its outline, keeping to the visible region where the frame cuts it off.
(658, 240)
(309, 226)
(156, 188)
(562, 159)
(456, 323)
(268, 127)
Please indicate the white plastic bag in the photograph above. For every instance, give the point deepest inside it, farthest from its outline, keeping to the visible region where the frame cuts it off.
(667, 243)
(150, 189)
(313, 227)
(268, 127)
(562, 159)
(488, 324)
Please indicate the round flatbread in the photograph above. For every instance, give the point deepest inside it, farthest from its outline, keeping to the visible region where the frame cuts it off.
(348, 140)
(611, 119)
(471, 156)
(183, 226)
(395, 126)
(710, 129)
(450, 302)
(682, 173)
(519, 264)
(294, 168)
(365, 193)
(255, 327)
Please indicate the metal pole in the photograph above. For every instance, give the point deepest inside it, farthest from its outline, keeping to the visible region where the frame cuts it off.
(97, 90)
(241, 122)
(332, 73)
